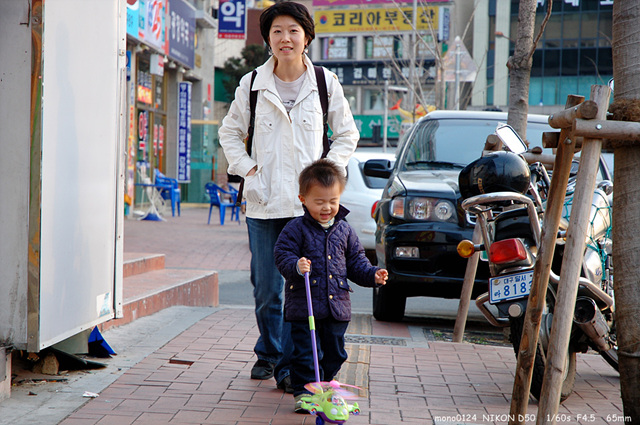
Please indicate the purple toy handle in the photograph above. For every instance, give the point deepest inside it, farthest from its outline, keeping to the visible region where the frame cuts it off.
(312, 327)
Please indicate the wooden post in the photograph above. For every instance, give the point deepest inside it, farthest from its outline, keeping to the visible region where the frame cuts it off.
(571, 267)
(541, 272)
(467, 288)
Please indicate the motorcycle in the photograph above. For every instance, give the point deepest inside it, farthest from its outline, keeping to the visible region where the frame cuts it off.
(507, 196)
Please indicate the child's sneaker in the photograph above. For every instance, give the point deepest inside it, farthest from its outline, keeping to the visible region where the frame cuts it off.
(299, 402)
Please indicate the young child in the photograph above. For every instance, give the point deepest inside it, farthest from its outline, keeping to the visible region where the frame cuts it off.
(322, 243)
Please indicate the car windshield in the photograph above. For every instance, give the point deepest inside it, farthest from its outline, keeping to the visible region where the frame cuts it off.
(453, 143)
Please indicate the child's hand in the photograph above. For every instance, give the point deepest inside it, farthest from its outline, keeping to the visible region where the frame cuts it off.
(304, 265)
(381, 276)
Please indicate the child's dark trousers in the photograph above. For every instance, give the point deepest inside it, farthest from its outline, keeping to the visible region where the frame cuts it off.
(331, 352)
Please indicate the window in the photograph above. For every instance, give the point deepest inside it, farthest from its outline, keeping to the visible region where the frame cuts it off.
(378, 47)
(351, 94)
(336, 48)
(374, 100)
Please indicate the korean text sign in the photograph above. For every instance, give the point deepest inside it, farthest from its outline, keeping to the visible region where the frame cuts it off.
(184, 132)
(232, 18)
(182, 29)
(378, 19)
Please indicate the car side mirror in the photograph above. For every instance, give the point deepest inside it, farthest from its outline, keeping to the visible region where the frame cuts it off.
(378, 168)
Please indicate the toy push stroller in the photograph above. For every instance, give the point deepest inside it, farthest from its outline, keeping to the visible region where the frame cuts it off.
(328, 398)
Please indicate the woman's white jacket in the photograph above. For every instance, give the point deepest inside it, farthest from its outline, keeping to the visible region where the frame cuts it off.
(283, 143)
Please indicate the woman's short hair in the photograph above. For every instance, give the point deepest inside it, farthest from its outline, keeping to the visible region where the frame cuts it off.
(288, 8)
(321, 172)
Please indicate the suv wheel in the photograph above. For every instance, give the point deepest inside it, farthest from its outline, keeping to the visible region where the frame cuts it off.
(388, 306)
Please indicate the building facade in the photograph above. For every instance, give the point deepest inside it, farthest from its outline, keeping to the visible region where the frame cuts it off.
(170, 88)
(373, 50)
(573, 53)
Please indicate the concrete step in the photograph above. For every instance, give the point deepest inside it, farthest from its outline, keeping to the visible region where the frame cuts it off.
(148, 292)
(138, 262)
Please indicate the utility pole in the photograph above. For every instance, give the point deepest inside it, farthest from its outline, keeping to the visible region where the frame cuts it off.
(412, 70)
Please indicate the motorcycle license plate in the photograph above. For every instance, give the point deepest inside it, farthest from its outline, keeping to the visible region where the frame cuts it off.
(509, 287)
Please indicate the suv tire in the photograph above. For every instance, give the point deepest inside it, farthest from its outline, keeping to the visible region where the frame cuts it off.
(388, 305)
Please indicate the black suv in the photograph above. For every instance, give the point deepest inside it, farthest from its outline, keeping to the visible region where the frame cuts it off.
(419, 218)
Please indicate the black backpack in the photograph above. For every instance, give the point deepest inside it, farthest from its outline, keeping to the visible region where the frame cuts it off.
(324, 102)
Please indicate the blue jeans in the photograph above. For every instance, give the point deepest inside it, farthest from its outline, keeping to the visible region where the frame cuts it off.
(331, 352)
(274, 343)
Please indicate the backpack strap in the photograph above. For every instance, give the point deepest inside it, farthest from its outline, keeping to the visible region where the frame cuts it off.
(253, 99)
(324, 102)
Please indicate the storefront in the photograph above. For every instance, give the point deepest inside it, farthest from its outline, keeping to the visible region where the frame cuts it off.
(160, 51)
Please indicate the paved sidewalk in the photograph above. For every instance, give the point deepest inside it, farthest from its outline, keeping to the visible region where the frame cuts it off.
(202, 377)
(199, 373)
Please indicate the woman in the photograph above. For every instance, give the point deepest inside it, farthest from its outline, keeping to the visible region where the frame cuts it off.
(288, 136)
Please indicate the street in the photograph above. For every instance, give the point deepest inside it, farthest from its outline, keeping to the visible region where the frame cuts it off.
(188, 242)
(235, 285)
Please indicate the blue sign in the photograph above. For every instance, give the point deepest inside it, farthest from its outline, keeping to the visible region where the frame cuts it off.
(182, 28)
(232, 18)
(133, 11)
(184, 132)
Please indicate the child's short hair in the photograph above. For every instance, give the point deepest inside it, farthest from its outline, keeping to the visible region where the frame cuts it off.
(322, 172)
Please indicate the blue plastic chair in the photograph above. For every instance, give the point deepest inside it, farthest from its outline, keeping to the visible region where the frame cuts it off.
(218, 197)
(169, 189)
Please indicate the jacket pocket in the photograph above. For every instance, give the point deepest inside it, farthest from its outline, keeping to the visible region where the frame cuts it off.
(342, 289)
(264, 125)
(255, 189)
(311, 116)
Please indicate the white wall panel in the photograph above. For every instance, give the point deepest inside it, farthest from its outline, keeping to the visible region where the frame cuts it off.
(81, 100)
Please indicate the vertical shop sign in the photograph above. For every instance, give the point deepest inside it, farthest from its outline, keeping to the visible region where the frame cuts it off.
(131, 142)
(133, 9)
(232, 19)
(182, 27)
(184, 132)
(143, 135)
(445, 19)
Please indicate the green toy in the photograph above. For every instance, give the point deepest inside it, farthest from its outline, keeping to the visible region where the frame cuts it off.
(328, 398)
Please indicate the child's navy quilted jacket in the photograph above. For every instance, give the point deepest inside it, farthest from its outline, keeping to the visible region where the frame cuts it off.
(335, 254)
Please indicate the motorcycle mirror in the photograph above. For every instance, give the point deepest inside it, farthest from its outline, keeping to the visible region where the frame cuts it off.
(510, 139)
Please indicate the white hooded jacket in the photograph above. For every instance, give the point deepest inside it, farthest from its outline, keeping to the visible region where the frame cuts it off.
(283, 143)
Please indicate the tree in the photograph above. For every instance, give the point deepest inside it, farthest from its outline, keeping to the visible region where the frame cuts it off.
(252, 56)
(520, 64)
(626, 203)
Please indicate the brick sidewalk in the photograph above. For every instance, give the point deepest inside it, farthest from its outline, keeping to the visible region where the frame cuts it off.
(188, 242)
(202, 375)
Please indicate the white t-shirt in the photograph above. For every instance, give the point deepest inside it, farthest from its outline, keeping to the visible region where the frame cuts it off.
(288, 90)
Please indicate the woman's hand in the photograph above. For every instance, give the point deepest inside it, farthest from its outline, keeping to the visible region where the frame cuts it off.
(252, 171)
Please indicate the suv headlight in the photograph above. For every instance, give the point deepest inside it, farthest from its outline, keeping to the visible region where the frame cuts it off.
(421, 208)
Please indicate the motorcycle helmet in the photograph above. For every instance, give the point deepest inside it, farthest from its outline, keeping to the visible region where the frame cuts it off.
(497, 172)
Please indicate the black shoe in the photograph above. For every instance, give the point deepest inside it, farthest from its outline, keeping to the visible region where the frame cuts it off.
(285, 385)
(301, 405)
(262, 369)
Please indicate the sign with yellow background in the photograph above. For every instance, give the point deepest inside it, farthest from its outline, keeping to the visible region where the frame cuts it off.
(379, 19)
